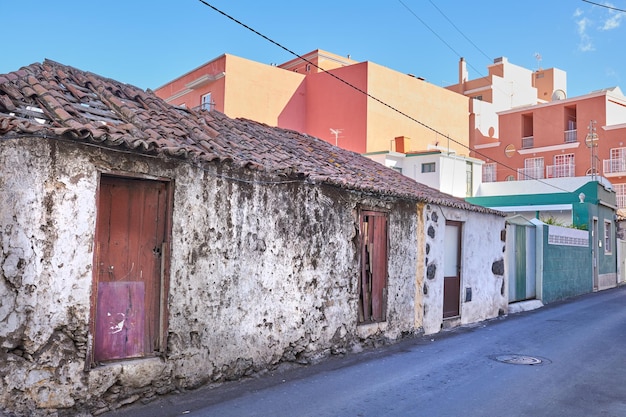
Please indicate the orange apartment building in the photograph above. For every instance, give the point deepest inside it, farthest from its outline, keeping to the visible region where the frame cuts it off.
(519, 121)
(523, 125)
(347, 103)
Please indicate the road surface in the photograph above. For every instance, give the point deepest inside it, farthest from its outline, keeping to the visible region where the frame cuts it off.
(566, 359)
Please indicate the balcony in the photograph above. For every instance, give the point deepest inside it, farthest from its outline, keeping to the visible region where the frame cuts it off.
(528, 142)
(530, 173)
(614, 167)
(560, 171)
(571, 136)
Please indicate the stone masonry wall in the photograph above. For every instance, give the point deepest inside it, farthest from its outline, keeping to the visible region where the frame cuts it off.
(482, 267)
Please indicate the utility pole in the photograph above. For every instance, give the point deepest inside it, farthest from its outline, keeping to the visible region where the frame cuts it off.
(592, 142)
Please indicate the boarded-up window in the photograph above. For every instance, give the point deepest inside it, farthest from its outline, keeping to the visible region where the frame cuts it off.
(129, 289)
(373, 279)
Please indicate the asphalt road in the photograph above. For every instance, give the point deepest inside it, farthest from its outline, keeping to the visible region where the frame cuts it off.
(569, 359)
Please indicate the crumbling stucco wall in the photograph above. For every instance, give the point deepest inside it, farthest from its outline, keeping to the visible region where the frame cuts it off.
(482, 267)
(270, 275)
(261, 273)
(46, 226)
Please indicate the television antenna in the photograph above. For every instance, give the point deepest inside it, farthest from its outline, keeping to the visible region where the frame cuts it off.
(538, 58)
(592, 142)
(336, 132)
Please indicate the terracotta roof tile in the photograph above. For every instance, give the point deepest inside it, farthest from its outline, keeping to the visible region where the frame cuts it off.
(55, 100)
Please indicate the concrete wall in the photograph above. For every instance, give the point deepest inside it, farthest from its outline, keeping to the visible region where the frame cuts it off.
(260, 275)
(433, 106)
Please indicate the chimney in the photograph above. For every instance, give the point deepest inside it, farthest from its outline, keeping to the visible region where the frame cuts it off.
(401, 143)
(462, 71)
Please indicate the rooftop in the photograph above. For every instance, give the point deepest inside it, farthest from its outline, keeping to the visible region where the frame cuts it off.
(54, 101)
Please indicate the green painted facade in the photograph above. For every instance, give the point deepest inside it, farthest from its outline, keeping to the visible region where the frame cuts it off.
(566, 270)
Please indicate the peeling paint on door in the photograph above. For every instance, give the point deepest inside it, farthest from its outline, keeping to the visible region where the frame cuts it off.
(119, 320)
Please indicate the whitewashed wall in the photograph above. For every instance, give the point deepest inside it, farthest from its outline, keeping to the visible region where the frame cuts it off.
(482, 267)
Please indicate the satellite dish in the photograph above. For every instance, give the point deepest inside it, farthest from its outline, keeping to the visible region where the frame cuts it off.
(558, 95)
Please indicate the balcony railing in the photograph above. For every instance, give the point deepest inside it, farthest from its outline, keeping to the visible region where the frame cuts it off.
(529, 173)
(560, 171)
(528, 142)
(571, 136)
(614, 166)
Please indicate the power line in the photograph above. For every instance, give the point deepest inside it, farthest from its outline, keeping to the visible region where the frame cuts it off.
(429, 28)
(365, 92)
(440, 38)
(459, 30)
(605, 6)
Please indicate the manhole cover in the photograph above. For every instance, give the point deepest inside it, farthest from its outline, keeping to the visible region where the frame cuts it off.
(519, 359)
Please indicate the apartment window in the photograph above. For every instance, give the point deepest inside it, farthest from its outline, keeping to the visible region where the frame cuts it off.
(489, 172)
(563, 166)
(620, 193)
(207, 104)
(617, 162)
(428, 167)
(533, 169)
(528, 138)
(570, 125)
(469, 179)
(607, 237)
(373, 278)
(509, 178)
(534, 163)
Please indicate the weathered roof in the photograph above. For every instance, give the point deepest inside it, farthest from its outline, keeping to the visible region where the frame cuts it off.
(57, 101)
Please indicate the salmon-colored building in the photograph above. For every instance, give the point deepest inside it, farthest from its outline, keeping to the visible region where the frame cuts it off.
(523, 125)
(360, 106)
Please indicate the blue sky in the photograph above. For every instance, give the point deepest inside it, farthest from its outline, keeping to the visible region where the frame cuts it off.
(148, 43)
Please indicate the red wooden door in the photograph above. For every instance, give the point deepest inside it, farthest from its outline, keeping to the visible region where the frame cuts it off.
(373, 282)
(130, 232)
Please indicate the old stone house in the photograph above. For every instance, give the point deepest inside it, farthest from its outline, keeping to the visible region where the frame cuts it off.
(146, 248)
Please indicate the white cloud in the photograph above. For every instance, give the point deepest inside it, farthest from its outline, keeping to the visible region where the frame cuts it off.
(585, 44)
(610, 20)
(611, 73)
(613, 21)
(582, 26)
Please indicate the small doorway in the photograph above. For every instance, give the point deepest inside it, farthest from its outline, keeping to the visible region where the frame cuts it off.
(522, 278)
(452, 270)
(128, 284)
(373, 279)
